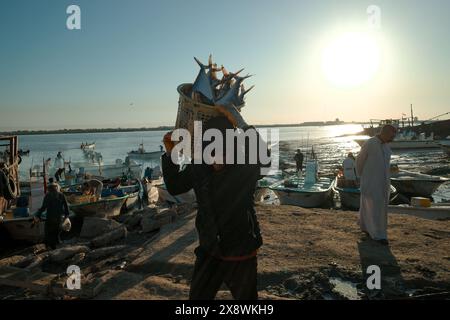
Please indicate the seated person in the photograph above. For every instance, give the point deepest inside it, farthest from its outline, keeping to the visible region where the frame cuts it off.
(92, 187)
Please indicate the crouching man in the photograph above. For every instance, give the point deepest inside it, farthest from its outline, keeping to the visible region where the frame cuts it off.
(228, 230)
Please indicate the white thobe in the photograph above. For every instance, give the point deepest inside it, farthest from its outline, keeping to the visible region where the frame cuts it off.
(373, 166)
(349, 169)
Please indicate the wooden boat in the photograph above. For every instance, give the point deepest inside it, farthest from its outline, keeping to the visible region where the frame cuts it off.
(416, 184)
(350, 197)
(105, 207)
(437, 211)
(141, 154)
(133, 193)
(294, 191)
(23, 229)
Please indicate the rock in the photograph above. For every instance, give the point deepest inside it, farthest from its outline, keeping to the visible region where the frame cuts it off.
(38, 260)
(134, 221)
(79, 257)
(94, 226)
(105, 239)
(64, 253)
(149, 211)
(14, 260)
(292, 283)
(104, 252)
(152, 223)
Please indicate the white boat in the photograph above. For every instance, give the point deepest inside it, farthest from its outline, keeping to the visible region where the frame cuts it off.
(157, 192)
(262, 187)
(437, 211)
(308, 190)
(295, 192)
(110, 171)
(406, 141)
(141, 154)
(85, 146)
(416, 184)
(350, 197)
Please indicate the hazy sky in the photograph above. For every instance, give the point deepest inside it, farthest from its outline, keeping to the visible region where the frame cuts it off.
(138, 51)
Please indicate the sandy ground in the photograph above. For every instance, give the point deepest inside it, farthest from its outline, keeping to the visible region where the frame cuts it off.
(307, 254)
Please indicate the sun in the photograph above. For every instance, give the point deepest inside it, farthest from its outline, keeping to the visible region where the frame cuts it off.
(351, 59)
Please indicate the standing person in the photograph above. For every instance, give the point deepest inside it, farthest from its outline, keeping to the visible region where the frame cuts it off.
(228, 230)
(59, 166)
(56, 206)
(148, 173)
(299, 160)
(373, 166)
(349, 166)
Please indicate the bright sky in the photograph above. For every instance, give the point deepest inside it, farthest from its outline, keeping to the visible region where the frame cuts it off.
(312, 60)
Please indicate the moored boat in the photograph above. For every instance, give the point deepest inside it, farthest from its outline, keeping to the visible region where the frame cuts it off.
(415, 184)
(141, 154)
(296, 191)
(23, 229)
(308, 191)
(350, 196)
(105, 207)
(85, 146)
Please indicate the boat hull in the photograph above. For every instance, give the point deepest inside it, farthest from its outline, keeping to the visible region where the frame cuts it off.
(416, 188)
(22, 229)
(146, 155)
(407, 144)
(351, 197)
(105, 208)
(304, 199)
(350, 200)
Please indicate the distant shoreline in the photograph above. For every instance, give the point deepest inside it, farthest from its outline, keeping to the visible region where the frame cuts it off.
(161, 128)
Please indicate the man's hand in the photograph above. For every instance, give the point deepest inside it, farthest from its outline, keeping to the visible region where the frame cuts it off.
(168, 143)
(233, 115)
(36, 220)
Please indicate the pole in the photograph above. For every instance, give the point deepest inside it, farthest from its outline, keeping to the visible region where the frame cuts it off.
(45, 175)
(412, 117)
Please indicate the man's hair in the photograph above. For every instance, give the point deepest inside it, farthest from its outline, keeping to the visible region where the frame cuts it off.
(388, 128)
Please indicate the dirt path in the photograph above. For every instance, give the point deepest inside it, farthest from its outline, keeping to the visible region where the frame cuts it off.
(307, 254)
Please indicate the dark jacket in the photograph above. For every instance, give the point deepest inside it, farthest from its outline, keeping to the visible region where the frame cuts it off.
(226, 220)
(56, 206)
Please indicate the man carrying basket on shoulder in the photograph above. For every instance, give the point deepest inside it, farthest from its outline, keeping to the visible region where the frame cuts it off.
(228, 230)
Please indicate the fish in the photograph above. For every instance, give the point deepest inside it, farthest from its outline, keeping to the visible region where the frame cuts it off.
(202, 83)
(226, 82)
(232, 95)
(242, 94)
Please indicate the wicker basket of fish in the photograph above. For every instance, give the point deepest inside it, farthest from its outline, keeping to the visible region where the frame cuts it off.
(190, 110)
(198, 101)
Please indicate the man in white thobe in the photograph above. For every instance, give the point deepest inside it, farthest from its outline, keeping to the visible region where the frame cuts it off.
(373, 166)
(349, 166)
